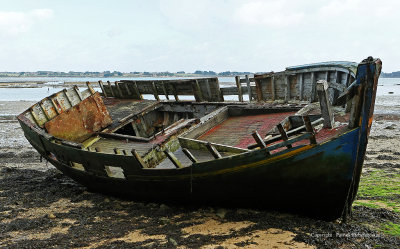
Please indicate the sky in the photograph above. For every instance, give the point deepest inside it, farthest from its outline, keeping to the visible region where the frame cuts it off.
(175, 35)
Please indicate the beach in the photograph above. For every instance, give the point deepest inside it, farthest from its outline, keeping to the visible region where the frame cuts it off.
(40, 207)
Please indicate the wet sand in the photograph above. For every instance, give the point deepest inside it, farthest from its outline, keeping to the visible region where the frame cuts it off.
(42, 208)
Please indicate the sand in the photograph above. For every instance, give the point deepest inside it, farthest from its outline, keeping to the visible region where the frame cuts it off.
(42, 208)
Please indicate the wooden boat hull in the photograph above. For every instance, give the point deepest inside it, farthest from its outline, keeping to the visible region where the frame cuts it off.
(317, 179)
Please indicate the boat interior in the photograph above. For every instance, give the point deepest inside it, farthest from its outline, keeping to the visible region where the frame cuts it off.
(276, 111)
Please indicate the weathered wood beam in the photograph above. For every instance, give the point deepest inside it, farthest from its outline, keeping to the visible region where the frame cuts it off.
(248, 87)
(301, 85)
(356, 106)
(111, 89)
(174, 90)
(208, 90)
(326, 109)
(259, 140)
(310, 129)
(273, 94)
(313, 87)
(138, 158)
(239, 87)
(259, 90)
(91, 90)
(189, 155)
(76, 89)
(173, 159)
(283, 134)
(287, 88)
(127, 89)
(155, 93)
(214, 152)
(116, 83)
(102, 88)
(164, 90)
(197, 91)
(136, 90)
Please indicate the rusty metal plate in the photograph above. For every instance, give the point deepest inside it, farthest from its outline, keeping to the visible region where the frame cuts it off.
(81, 121)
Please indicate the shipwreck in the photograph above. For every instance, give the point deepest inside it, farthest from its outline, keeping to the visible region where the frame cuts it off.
(293, 140)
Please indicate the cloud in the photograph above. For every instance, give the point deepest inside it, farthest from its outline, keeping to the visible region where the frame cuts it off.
(273, 13)
(14, 23)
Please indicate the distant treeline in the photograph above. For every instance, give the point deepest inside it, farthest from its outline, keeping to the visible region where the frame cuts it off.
(108, 74)
(391, 75)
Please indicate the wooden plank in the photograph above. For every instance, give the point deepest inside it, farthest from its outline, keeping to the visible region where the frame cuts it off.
(164, 90)
(189, 155)
(219, 93)
(301, 85)
(67, 97)
(102, 88)
(213, 151)
(273, 92)
(309, 129)
(259, 90)
(195, 144)
(127, 89)
(136, 90)
(111, 89)
(288, 142)
(173, 158)
(248, 87)
(259, 140)
(283, 134)
(91, 90)
(138, 158)
(313, 87)
(116, 83)
(155, 93)
(122, 137)
(287, 88)
(197, 91)
(326, 109)
(208, 90)
(78, 93)
(239, 87)
(356, 106)
(175, 92)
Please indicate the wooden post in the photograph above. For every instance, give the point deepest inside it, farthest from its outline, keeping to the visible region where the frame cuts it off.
(313, 87)
(116, 83)
(283, 134)
(173, 159)
(273, 88)
(248, 87)
(208, 89)
(213, 151)
(326, 109)
(309, 128)
(197, 91)
(356, 106)
(259, 89)
(301, 86)
(90, 88)
(155, 93)
(287, 89)
(112, 91)
(76, 89)
(136, 90)
(102, 88)
(239, 88)
(138, 158)
(219, 93)
(175, 92)
(335, 91)
(189, 155)
(260, 142)
(127, 89)
(165, 90)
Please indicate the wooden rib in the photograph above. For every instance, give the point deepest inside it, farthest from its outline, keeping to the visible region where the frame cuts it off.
(173, 159)
(259, 140)
(301, 86)
(165, 90)
(155, 93)
(273, 96)
(92, 91)
(189, 155)
(239, 88)
(310, 129)
(55, 106)
(208, 89)
(117, 151)
(116, 83)
(218, 90)
(97, 149)
(313, 86)
(127, 88)
(136, 90)
(197, 91)
(259, 90)
(35, 117)
(174, 91)
(214, 152)
(325, 105)
(287, 89)
(283, 134)
(138, 158)
(78, 92)
(248, 87)
(102, 88)
(46, 114)
(112, 91)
